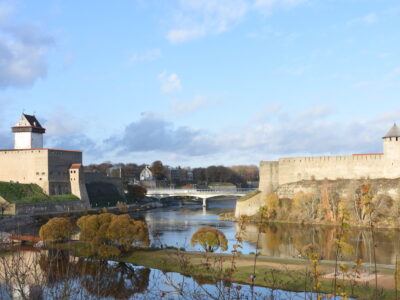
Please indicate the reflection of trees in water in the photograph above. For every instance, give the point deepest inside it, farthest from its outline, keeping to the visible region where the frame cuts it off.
(287, 240)
(99, 278)
(119, 280)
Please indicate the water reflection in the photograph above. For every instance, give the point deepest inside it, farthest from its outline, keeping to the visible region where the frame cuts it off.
(175, 226)
(57, 275)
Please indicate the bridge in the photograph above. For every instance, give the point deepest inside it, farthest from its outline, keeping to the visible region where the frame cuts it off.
(203, 194)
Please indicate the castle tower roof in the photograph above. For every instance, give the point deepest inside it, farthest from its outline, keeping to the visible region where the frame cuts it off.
(393, 132)
(28, 123)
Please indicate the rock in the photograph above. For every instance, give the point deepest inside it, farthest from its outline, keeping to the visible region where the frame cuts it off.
(39, 244)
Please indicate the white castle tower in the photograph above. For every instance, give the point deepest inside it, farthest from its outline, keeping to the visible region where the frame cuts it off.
(28, 133)
(391, 143)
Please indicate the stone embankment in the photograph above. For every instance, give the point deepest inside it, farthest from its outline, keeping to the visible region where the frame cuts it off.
(249, 204)
(342, 188)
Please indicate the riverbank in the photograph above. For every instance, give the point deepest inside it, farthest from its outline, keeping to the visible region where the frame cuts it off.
(255, 219)
(26, 223)
(271, 272)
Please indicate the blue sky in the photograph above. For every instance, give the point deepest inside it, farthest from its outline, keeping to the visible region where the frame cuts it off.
(196, 82)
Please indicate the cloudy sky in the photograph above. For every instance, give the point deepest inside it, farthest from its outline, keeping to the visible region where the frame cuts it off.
(199, 82)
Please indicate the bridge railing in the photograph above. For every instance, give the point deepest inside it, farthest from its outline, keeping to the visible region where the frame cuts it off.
(188, 191)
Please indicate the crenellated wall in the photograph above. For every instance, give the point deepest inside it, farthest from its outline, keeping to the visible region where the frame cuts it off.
(358, 166)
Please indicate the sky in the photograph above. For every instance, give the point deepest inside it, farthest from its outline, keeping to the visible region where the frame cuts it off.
(197, 82)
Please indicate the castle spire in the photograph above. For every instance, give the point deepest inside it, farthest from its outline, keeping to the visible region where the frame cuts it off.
(28, 133)
(393, 132)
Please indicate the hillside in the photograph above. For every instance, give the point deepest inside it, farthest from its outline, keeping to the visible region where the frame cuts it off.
(326, 201)
(28, 193)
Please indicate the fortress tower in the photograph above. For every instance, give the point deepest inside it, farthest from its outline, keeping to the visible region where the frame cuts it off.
(28, 133)
(391, 143)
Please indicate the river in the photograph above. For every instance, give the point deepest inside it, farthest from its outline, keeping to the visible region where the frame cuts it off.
(174, 226)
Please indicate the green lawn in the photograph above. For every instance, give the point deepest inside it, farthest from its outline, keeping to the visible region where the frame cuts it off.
(28, 193)
(291, 275)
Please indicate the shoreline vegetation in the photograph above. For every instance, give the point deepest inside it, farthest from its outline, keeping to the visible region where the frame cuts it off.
(290, 274)
(108, 237)
(324, 202)
(255, 220)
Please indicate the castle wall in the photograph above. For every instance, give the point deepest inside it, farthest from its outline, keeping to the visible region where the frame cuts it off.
(269, 176)
(48, 168)
(25, 166)
(335, 167)
(294, 169)
(59, 176)
(78, 186)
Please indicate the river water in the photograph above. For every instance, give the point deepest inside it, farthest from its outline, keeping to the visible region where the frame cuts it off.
(84, 279)
(174, 226)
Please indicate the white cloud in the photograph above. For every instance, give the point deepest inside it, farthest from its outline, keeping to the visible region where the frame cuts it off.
(169, 82)
(310, 132)
(267, 112)
(23, 49)
(68, 61)
(198, 18)
(181, 107)
(149, 55)
(270, 4)
(6, 11)
(62, 123)
(371, 18)
(319, 111)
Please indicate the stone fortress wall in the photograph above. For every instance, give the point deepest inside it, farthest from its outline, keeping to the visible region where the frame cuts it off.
(25, 166)
(48, 168)
(356, 166)
(274, 175)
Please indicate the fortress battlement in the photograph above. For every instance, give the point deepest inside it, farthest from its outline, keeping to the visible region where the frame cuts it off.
(355, 166)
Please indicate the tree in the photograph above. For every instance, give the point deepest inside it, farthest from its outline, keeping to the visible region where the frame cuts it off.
(108, 235)
(56, 230)
(210, 239)
(158, 170)
(272, 202)
(136, 192)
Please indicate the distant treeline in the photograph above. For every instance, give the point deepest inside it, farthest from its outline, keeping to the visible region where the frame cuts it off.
(238, 175)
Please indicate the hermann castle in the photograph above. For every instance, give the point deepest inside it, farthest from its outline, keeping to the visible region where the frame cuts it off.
(57, 172)
(356, 166)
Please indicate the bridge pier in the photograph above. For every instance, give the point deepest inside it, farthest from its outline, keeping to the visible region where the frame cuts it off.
(204, 202)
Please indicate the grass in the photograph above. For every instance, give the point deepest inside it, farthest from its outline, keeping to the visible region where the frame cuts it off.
(275, 273)
(249, 195)
(28, 193)
(212, 184)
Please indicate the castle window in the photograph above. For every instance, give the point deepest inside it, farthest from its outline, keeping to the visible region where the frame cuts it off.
(37, 173)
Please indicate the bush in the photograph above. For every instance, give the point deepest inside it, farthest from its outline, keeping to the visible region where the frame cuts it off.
(56, 230)
(121, 232)
(210, 239)
(122, 207)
